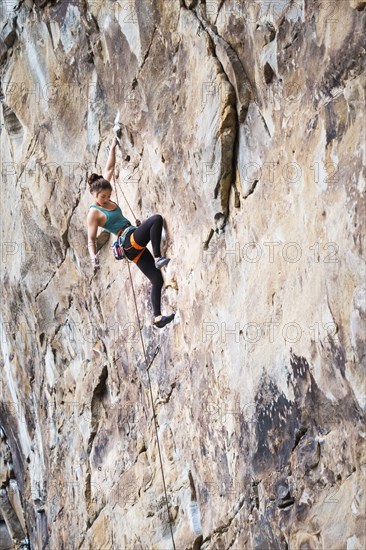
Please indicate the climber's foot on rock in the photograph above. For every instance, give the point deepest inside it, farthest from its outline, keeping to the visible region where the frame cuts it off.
(162, 320)
(161, 262)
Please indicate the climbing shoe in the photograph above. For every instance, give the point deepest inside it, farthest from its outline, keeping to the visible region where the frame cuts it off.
(164, 321)
(161, 262)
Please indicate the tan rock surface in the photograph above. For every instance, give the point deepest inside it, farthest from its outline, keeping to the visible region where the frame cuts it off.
(243, 126)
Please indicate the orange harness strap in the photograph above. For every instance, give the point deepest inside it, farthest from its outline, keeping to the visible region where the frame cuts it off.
(137, 247)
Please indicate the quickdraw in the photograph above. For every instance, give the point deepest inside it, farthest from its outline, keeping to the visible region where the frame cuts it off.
(117, 248)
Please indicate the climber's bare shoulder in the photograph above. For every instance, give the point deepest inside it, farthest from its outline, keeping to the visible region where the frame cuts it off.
(95, 219)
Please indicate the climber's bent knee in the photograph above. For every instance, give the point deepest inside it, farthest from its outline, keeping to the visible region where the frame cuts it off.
(157, 218)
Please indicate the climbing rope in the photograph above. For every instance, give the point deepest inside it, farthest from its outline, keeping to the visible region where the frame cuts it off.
(116, 182)
(152, 403)
(124, 196)
(148, 377)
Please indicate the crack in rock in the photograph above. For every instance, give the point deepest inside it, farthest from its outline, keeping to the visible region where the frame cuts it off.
(147, 53)
(225, 526)
(235, 101)
(252, 189)
(12, 519)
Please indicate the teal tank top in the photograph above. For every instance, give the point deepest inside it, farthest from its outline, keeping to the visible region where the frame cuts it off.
(115, 219)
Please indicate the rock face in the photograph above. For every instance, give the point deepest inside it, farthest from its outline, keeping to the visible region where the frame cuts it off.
(243, 126)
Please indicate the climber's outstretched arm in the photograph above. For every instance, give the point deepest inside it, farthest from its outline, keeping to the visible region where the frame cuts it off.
(92, 234)
(109, 167)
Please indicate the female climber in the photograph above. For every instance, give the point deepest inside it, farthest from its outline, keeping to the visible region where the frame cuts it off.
(107, 214)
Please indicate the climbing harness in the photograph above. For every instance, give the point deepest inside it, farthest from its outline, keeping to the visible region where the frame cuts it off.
(119, 254)
(136, 247)
(118, 249)
(117, 246)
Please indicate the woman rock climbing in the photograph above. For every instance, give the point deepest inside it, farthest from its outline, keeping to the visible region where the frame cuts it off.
(107, 214)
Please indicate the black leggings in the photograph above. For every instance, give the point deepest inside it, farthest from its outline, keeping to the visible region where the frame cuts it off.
(149, 230)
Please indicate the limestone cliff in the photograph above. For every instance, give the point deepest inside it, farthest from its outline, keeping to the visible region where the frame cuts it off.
(243, 126)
